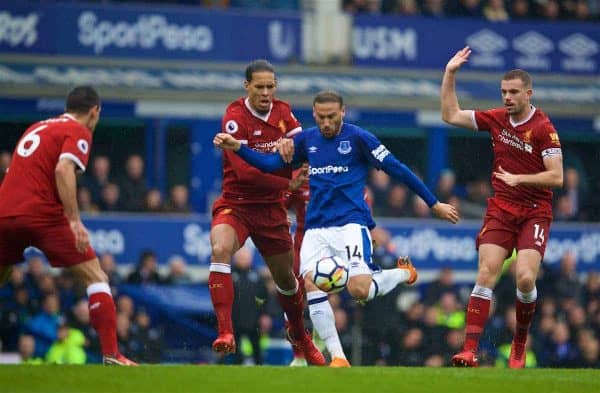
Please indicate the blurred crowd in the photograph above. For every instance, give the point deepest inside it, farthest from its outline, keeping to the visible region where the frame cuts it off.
(574, 202)
(45, 316)
(106, 189)
(492, 10)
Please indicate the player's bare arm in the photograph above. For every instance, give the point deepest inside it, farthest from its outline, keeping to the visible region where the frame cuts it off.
(451, 112)
(446, 212)
(66, 183)
(552, 177)
(226, 142)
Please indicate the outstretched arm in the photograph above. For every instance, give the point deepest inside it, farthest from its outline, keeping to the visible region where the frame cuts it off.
(263, 161)
(451, 112)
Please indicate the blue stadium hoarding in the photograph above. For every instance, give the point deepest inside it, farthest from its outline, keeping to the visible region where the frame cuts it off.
(430, 243)
(563, 47)
(148, 32)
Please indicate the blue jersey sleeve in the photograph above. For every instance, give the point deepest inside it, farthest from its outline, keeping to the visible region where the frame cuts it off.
(381, 158)
(266, 162)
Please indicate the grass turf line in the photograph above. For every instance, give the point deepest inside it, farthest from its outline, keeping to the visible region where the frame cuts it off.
(194, 378)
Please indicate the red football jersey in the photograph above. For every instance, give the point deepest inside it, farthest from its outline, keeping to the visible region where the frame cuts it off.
(519, 148)
(242, 183)
(297, 201)
(29, 187)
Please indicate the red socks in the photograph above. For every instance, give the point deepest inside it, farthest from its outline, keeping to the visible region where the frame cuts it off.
(524, 315)
(220, 286)
(103, 318)
(293, 306)
(477, 315)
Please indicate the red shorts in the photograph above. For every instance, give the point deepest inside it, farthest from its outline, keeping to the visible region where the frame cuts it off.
(51, 235)
(266, 224)
(511, 226)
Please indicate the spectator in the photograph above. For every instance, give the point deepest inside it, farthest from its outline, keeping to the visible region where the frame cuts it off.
(568, 285)
(178, 273)
(434, 8)
(27, 350)
(4, 164)
(520, 9)
(443, 284)
(380, 185)
(68, 348)
(84, 199)
(98, 179)
(446, 185)
(109, 266)
(125, 306)
(149, 339)
(178, 201)
(14, 314)
(79, 319)
(495, 11)
(111, 198)
(411, 349)
(154, 202)
(133, 184)
(250, 294)
(44, 325)
(146, 271)
(397, 205)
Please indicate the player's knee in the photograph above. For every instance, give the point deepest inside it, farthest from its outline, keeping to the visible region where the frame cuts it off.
(526, 281)
(220, 253)
(358, 290)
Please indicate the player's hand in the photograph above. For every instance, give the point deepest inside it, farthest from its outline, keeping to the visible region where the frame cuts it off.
(226, 142)
(507, 177)
(446, 212)
(285, 146)
(460, 58)
(300, 178)
(82, 238)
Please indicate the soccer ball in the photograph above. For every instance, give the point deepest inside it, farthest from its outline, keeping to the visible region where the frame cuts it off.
(331, 274)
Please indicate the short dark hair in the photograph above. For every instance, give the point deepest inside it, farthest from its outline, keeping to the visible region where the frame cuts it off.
(519, 74)
(81, 99)
(259, 65)
(328, 96)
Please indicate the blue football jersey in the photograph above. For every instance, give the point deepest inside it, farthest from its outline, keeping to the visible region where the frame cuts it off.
(338, 170)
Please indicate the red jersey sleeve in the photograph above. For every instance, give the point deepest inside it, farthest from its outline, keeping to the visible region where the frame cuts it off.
(76, 146)
(483, 120)
(233, 124)
(292, 125)
(548, 141)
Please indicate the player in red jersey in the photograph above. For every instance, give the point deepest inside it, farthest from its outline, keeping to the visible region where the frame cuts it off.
(38, 207)
(527, 164)
(296, 201)
(252, 205)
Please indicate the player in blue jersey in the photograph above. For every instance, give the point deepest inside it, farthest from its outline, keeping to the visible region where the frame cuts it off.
(337, 218)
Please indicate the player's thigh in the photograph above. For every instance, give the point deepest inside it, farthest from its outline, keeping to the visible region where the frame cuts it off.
(270, 230)
(354, 244)
(491, 260)
(533, 235)
(13, 241)
(314, 248)
(229, 230)
(89, 272)
(54, 237)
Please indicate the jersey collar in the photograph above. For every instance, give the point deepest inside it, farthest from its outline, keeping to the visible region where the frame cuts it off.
(529, 116)
(255, 113)
(68, 115)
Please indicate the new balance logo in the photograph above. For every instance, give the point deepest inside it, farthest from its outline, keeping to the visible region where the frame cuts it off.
(94, 306)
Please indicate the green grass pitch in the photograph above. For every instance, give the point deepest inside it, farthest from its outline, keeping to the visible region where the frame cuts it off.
(149, 379)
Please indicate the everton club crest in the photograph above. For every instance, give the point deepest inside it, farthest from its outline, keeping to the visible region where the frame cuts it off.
(344, 147)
